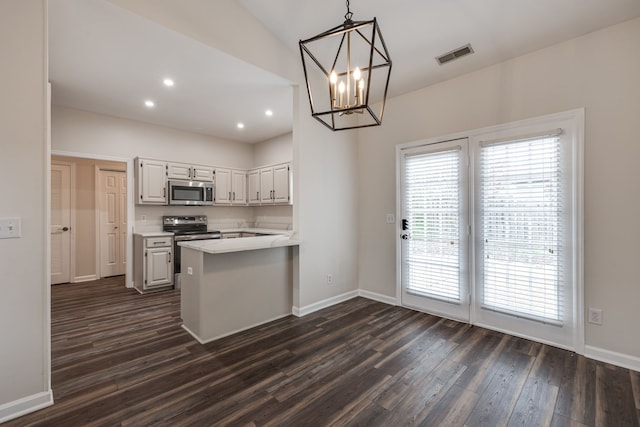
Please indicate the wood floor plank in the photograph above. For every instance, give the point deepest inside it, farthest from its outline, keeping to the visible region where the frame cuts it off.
(614, 397)
(122, 359)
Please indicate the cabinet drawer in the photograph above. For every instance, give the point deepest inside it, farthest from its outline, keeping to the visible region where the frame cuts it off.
(158, 242)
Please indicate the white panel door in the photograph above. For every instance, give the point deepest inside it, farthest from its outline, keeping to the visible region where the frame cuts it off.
(60, 223)
(112, 196)
(122, 209)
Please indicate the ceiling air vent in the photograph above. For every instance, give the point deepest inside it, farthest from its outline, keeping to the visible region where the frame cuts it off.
(454, 54)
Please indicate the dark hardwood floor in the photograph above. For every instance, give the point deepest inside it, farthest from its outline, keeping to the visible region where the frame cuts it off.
(121, 359)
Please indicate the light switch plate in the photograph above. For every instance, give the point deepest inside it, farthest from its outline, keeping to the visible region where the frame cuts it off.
(391, 218)
(10, 228)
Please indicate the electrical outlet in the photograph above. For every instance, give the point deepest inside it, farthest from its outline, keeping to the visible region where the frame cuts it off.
(190, 271)
(330, 279)
(391, 218)
(595, 316)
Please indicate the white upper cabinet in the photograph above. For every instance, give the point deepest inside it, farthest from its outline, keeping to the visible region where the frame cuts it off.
(275, 184)
(151, 176)
(238, 187)
(223, 186)
(282, 184)
(189, 172)
(231, 187)
(253, 187)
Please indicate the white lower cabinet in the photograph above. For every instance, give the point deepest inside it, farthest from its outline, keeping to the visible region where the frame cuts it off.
(153, 262)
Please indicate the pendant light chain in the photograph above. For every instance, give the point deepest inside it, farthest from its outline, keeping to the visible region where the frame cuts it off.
(349, 14)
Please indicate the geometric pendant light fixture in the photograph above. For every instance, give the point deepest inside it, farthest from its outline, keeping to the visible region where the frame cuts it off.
(347, 70)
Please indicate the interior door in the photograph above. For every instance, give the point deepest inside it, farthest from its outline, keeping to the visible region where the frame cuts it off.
(112, 196)
(60, 223)
(435, 223)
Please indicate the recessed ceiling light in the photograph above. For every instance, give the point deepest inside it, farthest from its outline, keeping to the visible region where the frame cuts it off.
(240, 125)
(168, 82)
(149, 103)
(268, 113)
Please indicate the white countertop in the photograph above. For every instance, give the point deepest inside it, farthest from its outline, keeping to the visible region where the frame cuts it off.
(256, 230)
(155, 234)
(221, 246)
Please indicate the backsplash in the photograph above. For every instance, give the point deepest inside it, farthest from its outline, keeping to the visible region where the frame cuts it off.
(220, 217)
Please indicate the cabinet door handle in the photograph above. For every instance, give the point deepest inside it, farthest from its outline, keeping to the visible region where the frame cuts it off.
(257, 195)
(229, 195)
(169, 257)
(234, 195)
(164, 192)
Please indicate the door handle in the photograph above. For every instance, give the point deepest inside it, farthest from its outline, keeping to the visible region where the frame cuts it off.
(65, 228)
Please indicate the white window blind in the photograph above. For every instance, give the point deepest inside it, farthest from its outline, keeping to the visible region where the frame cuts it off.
(432, 207)
(522, 225)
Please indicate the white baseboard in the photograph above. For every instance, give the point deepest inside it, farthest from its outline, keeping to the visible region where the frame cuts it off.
(87, 278)
(378, 297)
(25, 406)
(612, 357)
(208, 340)
(308, 309)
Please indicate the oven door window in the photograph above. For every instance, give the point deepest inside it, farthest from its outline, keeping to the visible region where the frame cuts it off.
(187, 194)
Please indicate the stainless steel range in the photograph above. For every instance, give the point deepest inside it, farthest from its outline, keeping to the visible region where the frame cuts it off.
(186, 228)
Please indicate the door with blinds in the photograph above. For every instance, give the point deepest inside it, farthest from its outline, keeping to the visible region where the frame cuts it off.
(490, 230)
(435, 227)
(523, 236)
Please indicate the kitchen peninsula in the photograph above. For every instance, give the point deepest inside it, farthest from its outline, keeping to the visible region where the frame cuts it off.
(230, 285)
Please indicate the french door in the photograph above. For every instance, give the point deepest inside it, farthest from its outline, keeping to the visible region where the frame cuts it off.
(488, 231)
(435, 226)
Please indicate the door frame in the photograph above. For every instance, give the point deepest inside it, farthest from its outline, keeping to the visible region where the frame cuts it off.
(72, 213)
(130, 201)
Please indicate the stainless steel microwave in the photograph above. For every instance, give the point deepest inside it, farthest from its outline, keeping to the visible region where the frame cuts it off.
(190, 193)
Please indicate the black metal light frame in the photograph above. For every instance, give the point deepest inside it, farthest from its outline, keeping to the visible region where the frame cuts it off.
(345, 31)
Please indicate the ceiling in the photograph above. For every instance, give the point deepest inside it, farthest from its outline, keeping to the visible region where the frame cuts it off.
(108, 60)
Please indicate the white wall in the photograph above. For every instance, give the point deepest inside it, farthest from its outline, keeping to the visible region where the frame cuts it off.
(24, 305)
(274, 150)
(85, 132)
(598, 71)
